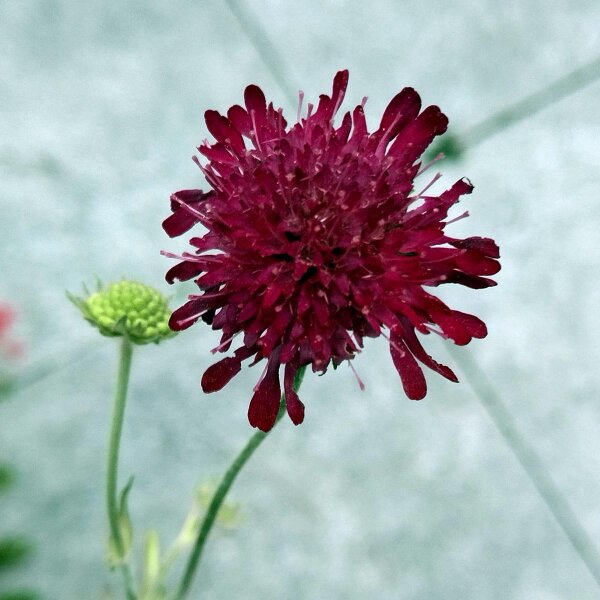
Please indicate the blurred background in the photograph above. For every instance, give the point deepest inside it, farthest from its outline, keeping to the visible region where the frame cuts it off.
(374, 496)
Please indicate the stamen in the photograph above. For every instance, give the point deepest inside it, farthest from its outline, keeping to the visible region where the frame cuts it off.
(223, 344)
(336, 107)
(431, 163)
(186, 256)
(189, 209)
(361, 385)
(385, 138)
(420, 194)
(192, 318)
(256, 140)
(392, 343)
(262, 376)
(300, 101)
(434, 330)
(463, 216)
(210, 176)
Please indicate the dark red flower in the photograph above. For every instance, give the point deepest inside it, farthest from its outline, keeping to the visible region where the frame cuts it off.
(317, 238)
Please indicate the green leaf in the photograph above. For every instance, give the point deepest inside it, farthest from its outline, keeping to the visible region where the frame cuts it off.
(125, 527)
(152, 588)
(124, 520)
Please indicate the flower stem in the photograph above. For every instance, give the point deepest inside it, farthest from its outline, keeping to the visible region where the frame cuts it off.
(113, 461)
(453, 146)
(532, 464)
(213, 510)
(553, 92)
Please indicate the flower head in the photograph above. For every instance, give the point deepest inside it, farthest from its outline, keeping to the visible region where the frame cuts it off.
(127, 308)
(316, 239)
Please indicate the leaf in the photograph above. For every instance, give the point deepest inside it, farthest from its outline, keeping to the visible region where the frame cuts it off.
(152, 588)
(125, 525)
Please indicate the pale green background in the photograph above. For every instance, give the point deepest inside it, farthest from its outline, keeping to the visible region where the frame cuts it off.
(373, 496)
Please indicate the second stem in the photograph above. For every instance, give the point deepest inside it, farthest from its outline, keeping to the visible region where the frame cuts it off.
(213, 510)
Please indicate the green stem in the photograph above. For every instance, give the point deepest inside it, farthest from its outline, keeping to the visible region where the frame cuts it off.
(553, 92)
(116, 428)
(213, 510)
(453, 146)
(532, 464)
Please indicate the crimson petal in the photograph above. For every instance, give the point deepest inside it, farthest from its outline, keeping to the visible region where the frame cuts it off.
(413, 380)
(264, 405)
(294, 406)
(414, 345)
(416, 136)
(217, 376)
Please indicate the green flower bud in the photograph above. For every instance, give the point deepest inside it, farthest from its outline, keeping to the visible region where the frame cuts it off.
(127, 308)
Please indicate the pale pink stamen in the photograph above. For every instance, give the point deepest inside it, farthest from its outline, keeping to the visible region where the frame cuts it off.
(262, 376)
(223, 344)
(255, 130)
(463, 216)
(431, 163)
(435, 178)
(361, 385)
(300, 101)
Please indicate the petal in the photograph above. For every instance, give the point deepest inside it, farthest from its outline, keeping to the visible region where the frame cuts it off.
(255, 100)
(403, 108)
(415, 137)
(217, 376)
(264, 406)
(359, 125)
(485, 245)
(223, 131)
(462, 186)
(413, 380)
(184, 270)
(256, 105)
(460, 327)
(183, 218)
(329, 106)
(185, 316)
(470, 281)
(474, 262)
(295, 408)
(340, 84)
(218, 153)
(414, 345)
(240, 119)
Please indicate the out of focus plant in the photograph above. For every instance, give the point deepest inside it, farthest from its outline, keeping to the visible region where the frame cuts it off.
(14, 549)
(11, 349)
(138, 315)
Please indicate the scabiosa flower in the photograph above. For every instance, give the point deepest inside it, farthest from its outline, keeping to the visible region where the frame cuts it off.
(316, 239)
